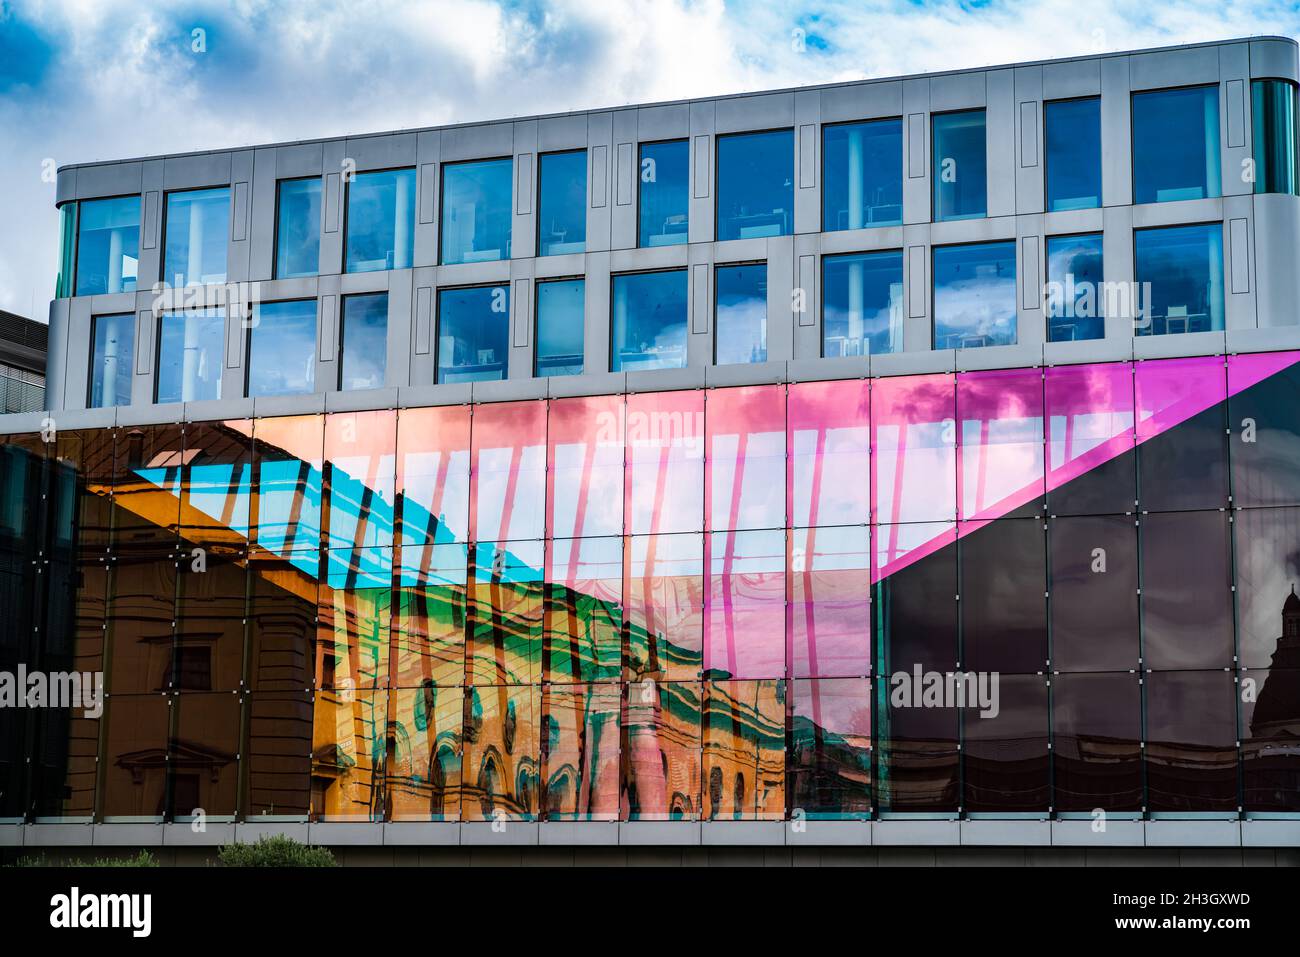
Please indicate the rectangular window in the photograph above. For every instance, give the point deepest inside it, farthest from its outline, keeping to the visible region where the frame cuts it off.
(1176, 144)
(1073, 150)
(112, 360)
(960, 164)
(196, 234)
(189, 355)
(862, 304)
(975, 295)
(664, 193)
(67, 250)
(476, 211)
(1184, 266)
(282, 348)
(741, 314)
(755, 185)
(381, 220)
(297, 231)
(862, 174)
(108, 246)
(560, 311)
(562, 203)
(1273, 126)
(473, 333)
(649, 321)
(1074, 288)
(363, 341)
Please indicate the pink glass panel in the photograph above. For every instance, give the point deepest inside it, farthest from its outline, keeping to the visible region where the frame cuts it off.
(830, 602)
(508, 448)
(1089, 413)
(1001, 441)
(1170, 391)
(665, 455)
(585, 467)
(746, 457)
(665, 606)
(913, 449)
(829, 443)
(433, 475)
(745, 625)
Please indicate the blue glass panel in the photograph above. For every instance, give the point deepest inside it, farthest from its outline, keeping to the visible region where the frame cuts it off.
(1073, 153)
(381, 220)
(364, 343)
(297, 233)
(1176, 144)
(756, 185)
(108, 246)
(473, 333)
(112, 361)
(562, 203)
(1273, 128)
(649, 321)
(960, 164)
(664, 177)
(560, 311)
(862, 304)
(282, 348)
(476, 211)
(1183, 266)
(1075, 294)
(189, 355)
(198, 229)
(741, 314)
(862, 182)
(975, 295)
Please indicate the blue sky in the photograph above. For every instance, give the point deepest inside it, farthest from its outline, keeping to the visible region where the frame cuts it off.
(84, 80)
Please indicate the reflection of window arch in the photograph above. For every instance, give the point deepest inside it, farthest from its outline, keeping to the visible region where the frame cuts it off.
(561, 789)
(715, 791)
(510, 726)
(425, 704)
(738, 793)
(489, 782)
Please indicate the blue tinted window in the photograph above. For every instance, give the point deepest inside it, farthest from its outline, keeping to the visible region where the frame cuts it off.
(476, 211)
(756, 185)
(862, 181)
(664, 178)
(562, 203)
(189, 355)
(364, 341)
(381, 220)
(862, 304)
(297, 233)
(741, 314)
(1183, 266)
(1075, 295)
(1073, 154)
(473, 332)
(111, 360)
(960, 163)
(975, 295)
(198, 228)
(282, 348)
(560, 311)
(1176, 144)
(649, 321)
(1273, 126)
(108, 246)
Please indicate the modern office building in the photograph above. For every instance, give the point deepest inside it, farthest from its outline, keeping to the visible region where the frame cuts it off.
(902, 463)
(22, 363)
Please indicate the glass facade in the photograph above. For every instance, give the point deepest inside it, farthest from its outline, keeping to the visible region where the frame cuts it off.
(1176, 144)
(862, 304)
(561, 305)
(190, 349)
(755, 185)
(740, 314)
(1274, 136)
(974, 295)
(196, 235)
(476, 210)
(959, 167)
(722, 604)
(663, 193)
(363, 343)
(282, 348)
(1072, 134)
(562, 203)
(862, 174)
(112, 360)
(380, 220)
(1075, 294)
(473, 333)
(297, 228)
(108, 246)
(648, 321)
(1179, 272)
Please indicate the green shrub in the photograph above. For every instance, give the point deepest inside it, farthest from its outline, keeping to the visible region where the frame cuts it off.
(139, 859)
(275, 851)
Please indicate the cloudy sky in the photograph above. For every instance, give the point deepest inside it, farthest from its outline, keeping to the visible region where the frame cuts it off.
(84, 80)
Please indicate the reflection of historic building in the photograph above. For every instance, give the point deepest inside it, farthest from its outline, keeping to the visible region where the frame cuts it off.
(1271, 750)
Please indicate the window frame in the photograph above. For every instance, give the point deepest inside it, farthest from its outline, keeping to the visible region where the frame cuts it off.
(717, 178)
(347, 213)
(90, 361)
(1132, 141)
(689, 168)
(717, 266)
(76, 239)
(248, 342)
(586, 196)
(157, 346)
(1101, 172)
(823, 258)
(441, 212)
(275, 245)
(1014, 243)
(1047, 278)
(1223, 261)
(902, 163)
(507, 285)
(162, 230)
(685, 270)
(343, 298)
(934, 179)
(537, 318)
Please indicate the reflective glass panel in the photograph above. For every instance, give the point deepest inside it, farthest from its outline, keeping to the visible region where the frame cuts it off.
(190, 349)
(745, 624)
(197, 230)
(354, 614)
(1097, 742)
(914, 570)
(1191, 741)
(830, 747)
(975, 295)
(112, 360)
(665, 607)
(661, 751)
(746, 457)
(580, 752)
(585, 467)
(741, 314)
(862, 174)
(1094, 593)
(1004, 744)
(381, 220)
(282, 348)
(1181, 426)
(560, 310)
(1267, 566)
(501, 776)
(1186, 591)
(1176, 144)
(1001, 443)
(829, 445)
(664, 193)
(744, 751)
(278, 756)
(562, 203)
(665, 460)
(359, 478)
(1003, 596)
(473, 333)
(755, 185)
(347, 755)
(830, 595)
(507, 599)
(433, 476)
(1264, 415)
(108, 246)
(1075, 294)
(509, 469)
(476, 211)
(958, 171)
(430, 616)
(289, 454)
(914, 449)
(1090, 439)
(1180, 277)
(649, 321)
(1273, 128)
(584, 610)
(1073, 148)
(363, 341)
(297, 232)
(862, 304)
(422, 764)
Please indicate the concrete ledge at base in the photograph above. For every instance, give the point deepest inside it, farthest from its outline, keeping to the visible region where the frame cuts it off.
(1087, 350)
(127, 835)
(361, 400)
(508, 390)
(917, 833)
(11, 835)
(1266, 339)
(660, 833)
(1178, 345)
(578, 833)
(212, 835)
(1006, 833)
(53, 835)
(273, 405)
(1193, 833)
(513, 834)
(744, 373)
(666, 380)
(913, 363)
(1080, 834)
(422, 396)
(587, 384)
(1020, 356)
(250, 833)
(1270, 833)
(820, 370)
(431, 833)
(20, 423)
(829, 834)
(340, 833)
(743, 833)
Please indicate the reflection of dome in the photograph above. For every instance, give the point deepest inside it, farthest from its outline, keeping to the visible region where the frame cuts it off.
(1277, 710)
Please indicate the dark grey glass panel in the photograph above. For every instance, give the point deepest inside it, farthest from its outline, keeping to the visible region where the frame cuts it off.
(1270, 711)
(1186, 591)
(862, 304)
(108, 245)
(1003, 603)
(363, 342)
(1096, 742)
(862, 178)
(1191, 740)
(755, 185)
(282, 348)
(560, 312)
(112, 360)
(1265, 443)
(916, 608)
(920, 758)
(473, 333)
(297, 232)
(562, 203)
(741, 314)
(1266, 559)
(1176, 144)
(1093, 589)
(381, 220)
(664, 200)
(1005, 747)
